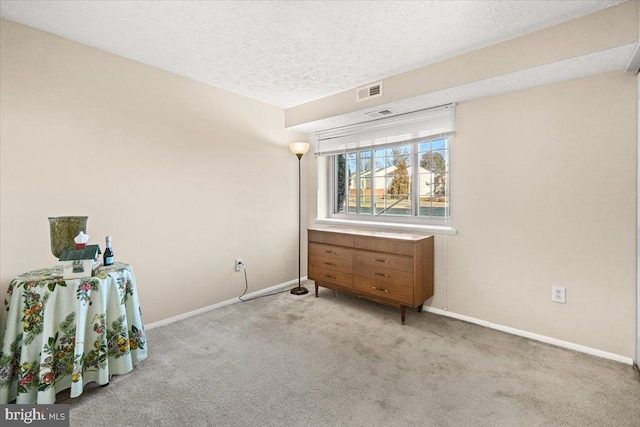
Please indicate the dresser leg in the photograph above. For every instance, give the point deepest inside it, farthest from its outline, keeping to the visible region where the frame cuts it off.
(316, 290)
(402, 314)
(420, 308)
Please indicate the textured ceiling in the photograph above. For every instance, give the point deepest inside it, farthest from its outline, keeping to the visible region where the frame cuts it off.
(287, 53)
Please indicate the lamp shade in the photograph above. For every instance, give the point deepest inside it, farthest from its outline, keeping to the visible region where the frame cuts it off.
(299, 148)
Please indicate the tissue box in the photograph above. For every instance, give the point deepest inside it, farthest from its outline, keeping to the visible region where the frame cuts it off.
(78, 263)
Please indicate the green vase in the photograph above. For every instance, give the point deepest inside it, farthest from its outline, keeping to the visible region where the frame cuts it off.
(63, 230)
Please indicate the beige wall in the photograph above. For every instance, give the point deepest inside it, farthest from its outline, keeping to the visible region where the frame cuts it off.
(556, 207)
(185, 177)
(543, 189)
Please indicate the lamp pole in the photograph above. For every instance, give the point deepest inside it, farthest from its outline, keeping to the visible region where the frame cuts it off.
(299, 149)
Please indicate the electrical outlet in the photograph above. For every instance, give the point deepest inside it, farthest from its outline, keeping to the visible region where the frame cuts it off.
(558, 294)
(239, 264)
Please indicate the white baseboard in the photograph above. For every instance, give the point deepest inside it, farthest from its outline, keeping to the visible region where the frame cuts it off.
(486, 324)
(541, 338)
(221, 304)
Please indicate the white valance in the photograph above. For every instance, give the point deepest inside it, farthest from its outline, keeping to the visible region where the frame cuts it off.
(432, 123)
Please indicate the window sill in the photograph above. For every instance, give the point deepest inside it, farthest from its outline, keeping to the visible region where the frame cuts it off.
(435, 229)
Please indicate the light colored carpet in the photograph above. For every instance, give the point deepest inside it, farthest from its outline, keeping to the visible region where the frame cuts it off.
(339, 361)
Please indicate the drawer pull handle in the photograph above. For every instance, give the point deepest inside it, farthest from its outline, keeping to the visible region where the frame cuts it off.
(381, 274)
(328, 252)
(329, 263)
(329, 277)
(381, 260)
(380, 289)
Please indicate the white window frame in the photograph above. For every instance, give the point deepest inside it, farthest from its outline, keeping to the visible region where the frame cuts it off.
(405, 129)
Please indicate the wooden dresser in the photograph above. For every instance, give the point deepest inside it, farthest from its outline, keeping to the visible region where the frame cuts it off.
(390, 268)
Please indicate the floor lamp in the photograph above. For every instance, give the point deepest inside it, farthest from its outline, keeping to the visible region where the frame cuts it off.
(299, 149)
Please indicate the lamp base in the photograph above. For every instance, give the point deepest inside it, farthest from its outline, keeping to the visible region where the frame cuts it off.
(299, 290)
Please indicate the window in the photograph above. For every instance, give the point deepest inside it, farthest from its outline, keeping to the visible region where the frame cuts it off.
(390, 170)
(384, 182)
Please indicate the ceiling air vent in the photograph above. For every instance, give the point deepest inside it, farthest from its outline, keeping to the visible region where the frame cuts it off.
(373, 90)
(379, 113)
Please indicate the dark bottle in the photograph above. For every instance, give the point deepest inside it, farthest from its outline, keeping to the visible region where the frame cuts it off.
(108, 253)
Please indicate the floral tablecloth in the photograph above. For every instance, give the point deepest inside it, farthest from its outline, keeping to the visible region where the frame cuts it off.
(58, 334)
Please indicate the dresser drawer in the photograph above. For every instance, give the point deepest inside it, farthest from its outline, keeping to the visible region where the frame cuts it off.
(331, 257)
(331, 238)
(365, 261)
(320, 274)
(382, 289)
(386, 276)
(392, 246)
